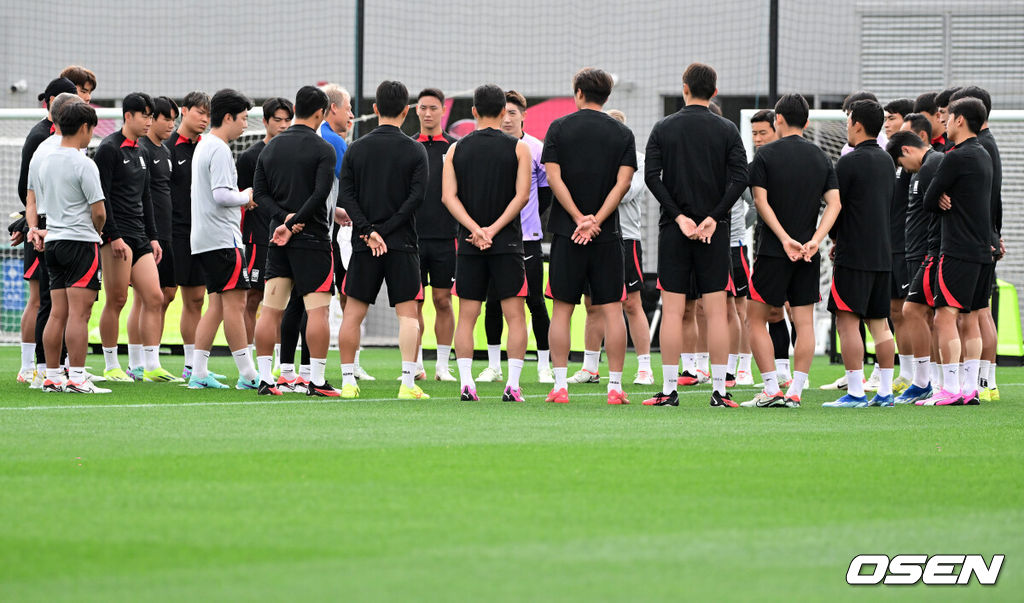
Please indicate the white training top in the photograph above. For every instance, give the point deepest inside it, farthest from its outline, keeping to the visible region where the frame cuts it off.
(216, 219)
(633, 203)
(66, 182)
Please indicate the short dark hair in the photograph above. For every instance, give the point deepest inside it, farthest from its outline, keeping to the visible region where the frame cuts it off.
(794, 109)
(925, 103)
(902, 139)
(55, 87)
(919, 124)
(972, 110)
(902, 106)
(137, 102)
(867, 113)
(595, 84)
(273, 105)
(942, 98)
(702, 80)
(434, 92)
(858, 96)
(227, 102)
(516, 98)
(80, 76)
(489, 100)
(309, 100)
(975, 92)
(392, 97)
(196, 98)
(165, 106)
(73, 115)
(764, 115)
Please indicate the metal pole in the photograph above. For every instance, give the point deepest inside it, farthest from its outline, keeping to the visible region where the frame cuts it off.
(773, 52)
(358, 96)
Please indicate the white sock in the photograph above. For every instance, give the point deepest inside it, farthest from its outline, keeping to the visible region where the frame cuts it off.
(951, 377)
(151, 357)
(971, 368)
(702, 362)
(465, 372)
(643, 362)
(41, 369)
(443, 352)
(543, 358)
(419, 358)
(907, 367)
(359, 350)
(771, 383)
(266, 368)
(796, 388)
(935, 371)
(243, 360)
(669, 378)
(28, 356)
(494, 357)
(190, 349)
(288, 372)
(961, 377)
(921, 376)
(348, 374)
(615, 381)
(76, 374)
(782, 369)
(873, 369)
(515, 368)
(743, 364)
(200, 363)
(591, 360)
(718, 378)
(885, 383)
(277, 354)
(855, 383)
(992, 376)
(983, 373)
(409, 374)
(110, 358)
(305, 372)
(135, 358)
(55, 374)
(317, 371)
(561, 378)
(689, 364)
(730, 366)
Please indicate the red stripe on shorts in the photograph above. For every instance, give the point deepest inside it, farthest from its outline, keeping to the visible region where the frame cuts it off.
(326, 286)
(839, 301)
(32, 269)
(754, 295)
(84, 281)
(945, 292)
(233, 281)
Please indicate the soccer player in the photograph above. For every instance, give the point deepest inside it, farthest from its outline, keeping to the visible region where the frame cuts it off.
(84, 80)
(697, 169)
(961, 192)
(912, 152)
(436, 229)
(294, 179)
(37, 307)
(195, 117)
(788, 179)
(131, 250)
(69, 183)
(533, 255)
(862, 272)
(895, 112)
(901, 276)
(277, 117)
(383, 180)
(487, 180)
(925, 105)
(589, 159)
(165, 114)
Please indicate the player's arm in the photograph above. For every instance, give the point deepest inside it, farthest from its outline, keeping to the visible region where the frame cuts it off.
(266, 205)
(623, 180)
(653, 168)
(90, 179)
(524, 180)
(417, 191)
(27, 150)
(224, 180)
(149, 220)
(736, 173)
(348, 196)
(543, 189)
(450, 199)
(35, 236)
(246, 171)
(106, 160)
(791, 246)
(943, 179)
(322, 188)
(832, 208)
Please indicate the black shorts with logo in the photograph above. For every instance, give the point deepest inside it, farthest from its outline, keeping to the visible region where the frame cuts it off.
(504, 274)
(680, 259)
(257, 266)
(775, 281)
(900, 277)
(399, 269)
(574, 268)
(310, 270)
(633, 262)
(861, 292)
(166, 266)
(224, 269)
(437, 263)
(187, 272)
(966, 286)
(73, 264)
(740, 271)
(923, 283)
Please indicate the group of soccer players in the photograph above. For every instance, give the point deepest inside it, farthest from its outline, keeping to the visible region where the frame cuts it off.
(913, 216)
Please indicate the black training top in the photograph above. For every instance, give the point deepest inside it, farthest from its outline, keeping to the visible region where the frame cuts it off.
(42, 130)
(181, 150)
(255, 223)
(295, 174)
(486, 166)
(695, 165)
(966, 176)
(589, 146)
(383, 180)
(923, 234)
(432, 218)
(124, 176)
(796, 174)
(866, 183)
(898, 212)
(159, 185)
(988, 141)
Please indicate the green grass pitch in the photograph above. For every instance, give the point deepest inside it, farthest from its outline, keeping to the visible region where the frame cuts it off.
(155, 492)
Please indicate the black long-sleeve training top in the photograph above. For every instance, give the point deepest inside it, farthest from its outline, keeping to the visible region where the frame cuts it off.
(160, 171)
(42, 130)
(988, 141)
(255, 223)
(965, 174)
(124, 176)
(294, 174)
(867, 183)
(433, 221)
(383, 181)
(923, 232)
(695, 165)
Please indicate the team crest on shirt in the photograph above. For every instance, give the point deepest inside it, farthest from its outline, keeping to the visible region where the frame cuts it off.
(916, 182)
